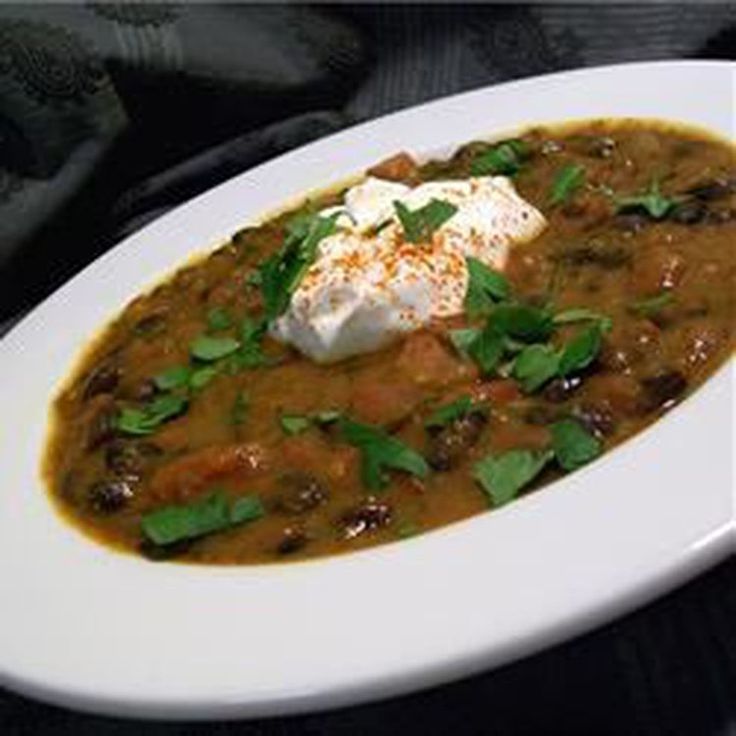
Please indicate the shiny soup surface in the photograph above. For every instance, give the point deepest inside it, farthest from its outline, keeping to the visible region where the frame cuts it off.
(186, 432)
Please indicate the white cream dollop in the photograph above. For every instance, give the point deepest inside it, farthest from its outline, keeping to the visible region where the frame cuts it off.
(368, 285)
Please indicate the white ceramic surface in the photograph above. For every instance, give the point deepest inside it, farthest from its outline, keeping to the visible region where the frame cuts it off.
(86, 627)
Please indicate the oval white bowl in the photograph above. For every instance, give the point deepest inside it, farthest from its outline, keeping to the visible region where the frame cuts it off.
(93, 629)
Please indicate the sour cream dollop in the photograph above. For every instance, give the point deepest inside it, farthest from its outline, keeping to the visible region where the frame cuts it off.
(368, 285)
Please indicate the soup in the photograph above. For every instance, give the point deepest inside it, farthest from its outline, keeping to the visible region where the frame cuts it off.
(229, 417)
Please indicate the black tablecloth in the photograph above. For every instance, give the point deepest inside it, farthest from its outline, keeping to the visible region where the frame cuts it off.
(112, 113)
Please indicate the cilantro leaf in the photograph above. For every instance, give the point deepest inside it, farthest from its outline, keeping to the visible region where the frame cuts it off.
(652, 202)
(463, 338)
(175, 377)
(152, 415)
(505, 158)
(581, 314)
(580, 351)
(281, 274)
(503, 476)
(488, 348)
(294, 424)
(420, 224)
(522, 321)
(485, 288)
(573, 444)
(201, 517)
(218, 318)
(648, 307)
(534, 366)
(208, 348)
(381, 452)
(448, 413)
(202, 376)
(566, 182)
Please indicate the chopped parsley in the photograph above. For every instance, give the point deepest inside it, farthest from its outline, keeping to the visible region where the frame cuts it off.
(648, 307)
(204, 516)
(486, 287)
(294, 424)
(503, 476)
(381, 452)
(448, 413)
(419, 225)
(652, 202)
(148, 419)
(566, 182)
(534, 366)
(175, 377)
(581, 314)
(581, 351)
(281, 274)
(208, 348)
(505, 158)
(573, 444)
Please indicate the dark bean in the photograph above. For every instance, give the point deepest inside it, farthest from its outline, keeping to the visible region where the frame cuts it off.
(663, 390)
(294, 538)
(300, 493)
(716, 189)
(602, 147)
(596, 418)
(109, 496)
(102, 380)
(102, 427)
(370, 515)
(631, 223)
(561, 389)
(124, 457)
(689, 213)
(449, 445)
(153, 324)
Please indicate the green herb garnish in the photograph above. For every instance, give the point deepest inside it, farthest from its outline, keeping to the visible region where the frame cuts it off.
(487, 348)
(522, 321)
(573, 444)
(581, 314)
(581, 351)
(213, 513)
(420, 224)
(282, 272)
(175, 377)
(208, 348)
(218, 318)
(200, 377)
(503, 476)
(485, 288)
(294, 424)
(463, 338)
(381, 452)
(653, 202)
(534, 366)
(566, 182)
(152, 416)
(448, 413)
(506, 159)
(648, 307)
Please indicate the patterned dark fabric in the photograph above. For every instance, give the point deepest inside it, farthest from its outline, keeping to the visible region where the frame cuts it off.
(112, 113)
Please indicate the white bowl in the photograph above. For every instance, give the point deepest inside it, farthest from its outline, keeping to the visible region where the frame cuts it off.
(94, 629)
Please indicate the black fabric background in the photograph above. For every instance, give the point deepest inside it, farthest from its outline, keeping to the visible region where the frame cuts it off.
(110, 114)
